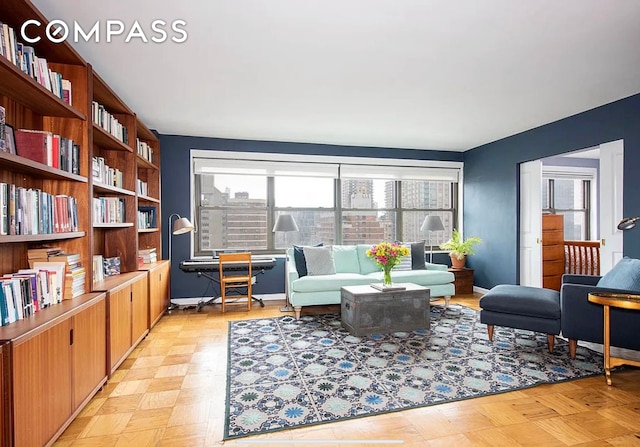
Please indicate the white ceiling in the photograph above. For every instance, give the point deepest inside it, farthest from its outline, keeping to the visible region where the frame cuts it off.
(422, 74)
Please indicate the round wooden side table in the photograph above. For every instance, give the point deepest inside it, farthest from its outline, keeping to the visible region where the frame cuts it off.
(609, 300)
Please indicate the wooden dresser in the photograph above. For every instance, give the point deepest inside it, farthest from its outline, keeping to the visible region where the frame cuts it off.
(552, 250)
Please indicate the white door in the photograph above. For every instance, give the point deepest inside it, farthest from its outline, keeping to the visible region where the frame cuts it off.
(531, 223)
(611, 184)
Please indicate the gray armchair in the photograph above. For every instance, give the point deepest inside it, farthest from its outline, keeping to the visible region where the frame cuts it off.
(584, 321)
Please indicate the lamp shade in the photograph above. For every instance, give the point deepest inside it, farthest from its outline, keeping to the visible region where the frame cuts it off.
(182, 225)
(628, 223)
(285, 222)
(432, 223)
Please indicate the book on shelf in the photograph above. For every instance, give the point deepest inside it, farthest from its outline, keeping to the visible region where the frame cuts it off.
(75, 273)
(57, 274)
(147, 217)
(148, 255)
(34, 144)
(48, 148)
(98, 268)
(111, 266)
(41, 254)
(3, 144)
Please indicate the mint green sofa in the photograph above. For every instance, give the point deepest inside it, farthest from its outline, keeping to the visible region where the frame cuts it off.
(354, 267)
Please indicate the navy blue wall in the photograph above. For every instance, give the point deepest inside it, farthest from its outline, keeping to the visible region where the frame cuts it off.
(491, 182)
(176, 195)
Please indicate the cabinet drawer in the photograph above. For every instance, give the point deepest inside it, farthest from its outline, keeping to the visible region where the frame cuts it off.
(553, 253)
(552, 238)
(553, 268)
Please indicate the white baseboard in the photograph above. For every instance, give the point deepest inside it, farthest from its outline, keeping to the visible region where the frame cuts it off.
(480, 289)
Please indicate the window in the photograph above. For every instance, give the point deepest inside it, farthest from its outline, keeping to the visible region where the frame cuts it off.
(569, 195)
(238, 202)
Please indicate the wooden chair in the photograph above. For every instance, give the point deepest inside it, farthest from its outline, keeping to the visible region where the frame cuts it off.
(235, 281)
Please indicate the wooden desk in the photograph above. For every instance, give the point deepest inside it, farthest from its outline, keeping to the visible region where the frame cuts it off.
(608, 300)
(464, 280)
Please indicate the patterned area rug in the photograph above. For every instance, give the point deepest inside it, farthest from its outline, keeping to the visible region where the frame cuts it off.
(284, 373)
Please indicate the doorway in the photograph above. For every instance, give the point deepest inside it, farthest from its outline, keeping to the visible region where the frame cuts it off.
(605, 204)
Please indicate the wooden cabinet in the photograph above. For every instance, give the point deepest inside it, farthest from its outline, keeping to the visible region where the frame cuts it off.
(552, 251)
(45, 382)
(127, 313)
(159, 291)
(463, 280)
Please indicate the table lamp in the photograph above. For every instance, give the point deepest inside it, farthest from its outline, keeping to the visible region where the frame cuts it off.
(431, 223)
(286, 223)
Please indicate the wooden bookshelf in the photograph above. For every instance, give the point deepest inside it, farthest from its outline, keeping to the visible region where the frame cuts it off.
(80, 366)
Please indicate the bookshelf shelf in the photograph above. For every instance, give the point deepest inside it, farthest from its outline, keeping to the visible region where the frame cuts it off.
(148, 230)
(104, 139)
(144, 163)
(100, 187)
(42, 237)
(24, 165)
(20, 87)
(148, 199)
(113, 225)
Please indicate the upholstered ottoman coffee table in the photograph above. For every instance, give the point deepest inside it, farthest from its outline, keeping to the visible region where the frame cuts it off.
(522, 307)
(365, 310)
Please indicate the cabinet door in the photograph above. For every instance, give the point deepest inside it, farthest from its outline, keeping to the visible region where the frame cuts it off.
(119, 326)
(4, 403)
(89, 351)
(140, 309)
(158, 293)
(42, 385)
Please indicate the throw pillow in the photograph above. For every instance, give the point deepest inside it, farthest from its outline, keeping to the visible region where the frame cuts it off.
(417, 256)
(405, 261)
(300, 261)
(625, 275)
(319, 261)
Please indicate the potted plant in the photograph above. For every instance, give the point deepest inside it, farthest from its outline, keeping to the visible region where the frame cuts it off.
(459, 249)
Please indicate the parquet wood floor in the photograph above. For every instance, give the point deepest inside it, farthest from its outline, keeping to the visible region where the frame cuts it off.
(171, 392)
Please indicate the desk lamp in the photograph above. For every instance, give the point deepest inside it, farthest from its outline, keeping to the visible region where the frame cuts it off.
(181, 225)
(286, 223)
(431, 223)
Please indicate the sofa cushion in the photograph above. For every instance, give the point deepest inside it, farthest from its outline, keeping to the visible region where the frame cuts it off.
(319, 261)
(300, 261)
(367, 264)
(522, 300)
(345, 258)
(625, 275)
(329, 282)
(420, 277)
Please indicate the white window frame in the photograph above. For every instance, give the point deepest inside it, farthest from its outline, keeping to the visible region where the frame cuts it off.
(362, 164)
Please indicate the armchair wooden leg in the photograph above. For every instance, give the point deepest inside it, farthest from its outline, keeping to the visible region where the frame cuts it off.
(551, 339)
(298, 310)
(573, 347)
(490, 331)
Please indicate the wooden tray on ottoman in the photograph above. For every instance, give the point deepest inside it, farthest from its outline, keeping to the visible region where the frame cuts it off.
(365, 310)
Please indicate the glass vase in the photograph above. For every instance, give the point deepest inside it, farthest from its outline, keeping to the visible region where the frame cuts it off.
(386, 278)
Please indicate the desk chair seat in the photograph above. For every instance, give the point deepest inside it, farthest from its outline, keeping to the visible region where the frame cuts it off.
(237, 283)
